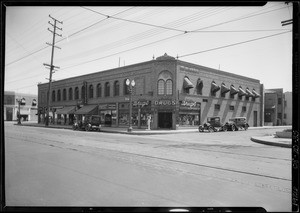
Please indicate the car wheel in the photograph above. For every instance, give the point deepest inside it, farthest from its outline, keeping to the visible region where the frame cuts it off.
(87, 128)
(201, 129)
(210, 129)
(246, 126)
(233, 128)
(225, 128)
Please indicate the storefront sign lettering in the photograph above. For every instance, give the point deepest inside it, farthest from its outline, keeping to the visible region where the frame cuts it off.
(188, 104)
(164, 102)
(141, 103)
(107, 106)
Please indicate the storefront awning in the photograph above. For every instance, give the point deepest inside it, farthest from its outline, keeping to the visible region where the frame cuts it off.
(215, 87)
(249, 93)
(87, 110)
(233, 90)
(256, 95)
(187, 84)
(224, 89)
(66, 110)
(242, 92)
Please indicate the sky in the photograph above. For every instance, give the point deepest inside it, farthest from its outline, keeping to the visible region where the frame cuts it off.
(248, 41)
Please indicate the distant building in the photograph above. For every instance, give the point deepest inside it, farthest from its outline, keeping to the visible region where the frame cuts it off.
(288, 111)
(28, 111)
(169, 92)
(274, 107)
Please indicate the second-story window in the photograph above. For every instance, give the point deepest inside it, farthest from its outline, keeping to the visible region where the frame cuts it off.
(53, 95)
(64, 94)
(165, 83)
(76, 93)
(107, 89)
(70, 94)
(126, 88)
(91, 91)
(58, 95)
(116, 88)
(99, 90)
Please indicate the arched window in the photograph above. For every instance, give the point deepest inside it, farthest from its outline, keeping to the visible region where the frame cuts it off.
(83, 92)
(53, 95)
(116, 88)
(126, 88)
(199, 86)
(91, 91)
(70, 94)
(107, 89)
(58, 95)
(64, 94)
(76, 93)
(169, 87)
(99, 90)
(161, 87)
(165, 83)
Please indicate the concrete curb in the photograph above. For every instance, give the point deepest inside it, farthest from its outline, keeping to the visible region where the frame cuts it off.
(266, 142)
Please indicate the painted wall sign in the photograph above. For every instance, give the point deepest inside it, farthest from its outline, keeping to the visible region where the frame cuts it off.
(141, 103)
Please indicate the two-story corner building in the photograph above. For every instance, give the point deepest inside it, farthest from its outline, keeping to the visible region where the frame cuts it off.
(170, 92)
(28, 110)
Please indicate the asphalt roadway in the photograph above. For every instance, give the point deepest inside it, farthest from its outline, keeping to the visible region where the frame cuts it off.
(62, 167)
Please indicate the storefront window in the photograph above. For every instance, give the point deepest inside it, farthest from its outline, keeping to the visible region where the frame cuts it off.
(188, 120)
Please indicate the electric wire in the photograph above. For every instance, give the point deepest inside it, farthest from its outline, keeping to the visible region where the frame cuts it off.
(230, 45)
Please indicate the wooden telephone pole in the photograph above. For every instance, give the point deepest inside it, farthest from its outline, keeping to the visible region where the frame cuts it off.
(51, 66)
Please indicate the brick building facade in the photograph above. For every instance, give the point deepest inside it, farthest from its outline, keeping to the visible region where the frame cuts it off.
(170, 92)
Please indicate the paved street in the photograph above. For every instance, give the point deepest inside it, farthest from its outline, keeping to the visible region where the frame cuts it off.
(61, 167)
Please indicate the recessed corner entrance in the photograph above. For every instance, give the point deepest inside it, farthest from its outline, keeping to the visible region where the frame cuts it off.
(165, 120)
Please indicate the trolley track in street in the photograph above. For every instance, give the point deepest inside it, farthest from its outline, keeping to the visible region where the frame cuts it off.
(90, 149)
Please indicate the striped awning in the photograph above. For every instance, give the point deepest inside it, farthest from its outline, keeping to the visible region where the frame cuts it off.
(249, 93)
(224, 89)
(233, 90)
(215, 87)
(242, 92)
(256, 95)
(66, 110)
(187, 84)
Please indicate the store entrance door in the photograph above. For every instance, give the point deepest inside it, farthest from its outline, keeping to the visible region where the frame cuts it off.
(165, 120)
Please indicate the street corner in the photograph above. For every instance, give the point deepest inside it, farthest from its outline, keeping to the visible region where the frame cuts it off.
(273, 141)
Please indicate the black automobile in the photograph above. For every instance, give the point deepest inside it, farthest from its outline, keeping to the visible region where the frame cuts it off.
(213, 124)
(238, 123)
(90, 123)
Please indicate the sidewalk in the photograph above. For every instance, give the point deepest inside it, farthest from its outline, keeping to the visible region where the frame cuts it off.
(267, 140)
(273, 141)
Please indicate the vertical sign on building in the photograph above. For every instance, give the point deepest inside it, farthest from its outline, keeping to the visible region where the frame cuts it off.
(84, 93)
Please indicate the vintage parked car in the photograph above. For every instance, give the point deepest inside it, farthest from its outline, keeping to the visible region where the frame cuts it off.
(237, 123)
(90, 123)
(213, 124)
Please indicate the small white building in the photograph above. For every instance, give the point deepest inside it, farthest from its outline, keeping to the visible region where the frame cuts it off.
(28, 111)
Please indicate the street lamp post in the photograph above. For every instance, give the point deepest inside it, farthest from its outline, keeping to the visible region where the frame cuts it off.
(131, 84)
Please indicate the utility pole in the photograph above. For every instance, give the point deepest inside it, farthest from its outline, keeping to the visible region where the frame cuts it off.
(51, 66)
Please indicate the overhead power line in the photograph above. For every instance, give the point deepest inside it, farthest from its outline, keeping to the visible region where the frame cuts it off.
(230, 45)
(75, 33)
(136, 22)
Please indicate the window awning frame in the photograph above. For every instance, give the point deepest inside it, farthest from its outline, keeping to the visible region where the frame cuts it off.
(233, 90)
(66, 110)
(242, 92)
(224, 89)
(187, 84)
(215, 87)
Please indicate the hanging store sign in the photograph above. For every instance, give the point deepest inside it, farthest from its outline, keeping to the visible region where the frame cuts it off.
(165, 103)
